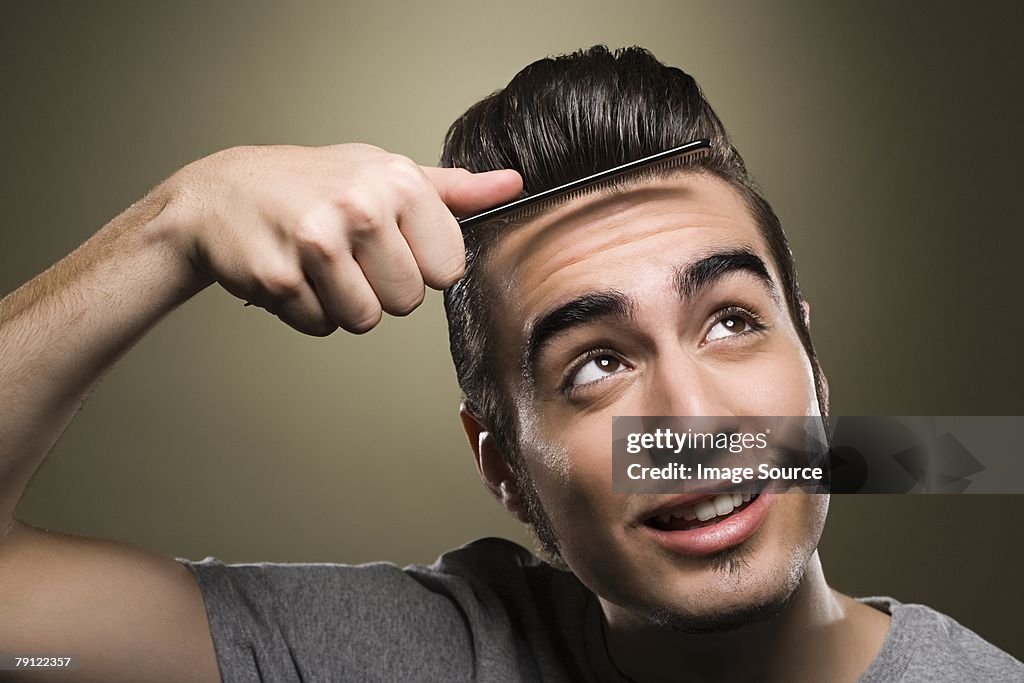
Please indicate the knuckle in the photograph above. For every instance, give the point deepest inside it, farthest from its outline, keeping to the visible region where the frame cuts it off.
(411, 189)
(404, 173)
(361, 213)
(358, 148)
(318, 237)
(280, 283)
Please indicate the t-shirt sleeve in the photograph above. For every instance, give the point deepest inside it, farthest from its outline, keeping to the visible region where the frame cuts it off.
(320, 622)
(926, 645)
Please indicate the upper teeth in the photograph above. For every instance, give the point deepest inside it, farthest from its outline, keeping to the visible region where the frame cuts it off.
(719, 506)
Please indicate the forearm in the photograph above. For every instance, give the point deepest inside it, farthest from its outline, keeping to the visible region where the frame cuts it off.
(62, 330)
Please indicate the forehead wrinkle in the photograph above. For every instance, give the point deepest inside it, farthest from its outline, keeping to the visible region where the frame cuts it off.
(590, 208)
(683, 200)
(561, 260)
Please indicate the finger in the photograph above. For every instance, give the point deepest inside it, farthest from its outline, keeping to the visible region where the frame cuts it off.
(285, 292)
(344, 293)
(466, 193)
(389, 266)
(434, 238)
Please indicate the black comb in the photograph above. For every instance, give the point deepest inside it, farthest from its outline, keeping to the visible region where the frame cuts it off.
(669, 157)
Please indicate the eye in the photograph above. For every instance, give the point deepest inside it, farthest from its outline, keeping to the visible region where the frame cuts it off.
(734, 322)
(595, 369)
(728, 327)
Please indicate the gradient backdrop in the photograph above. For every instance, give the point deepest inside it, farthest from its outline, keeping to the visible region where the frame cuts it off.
(887, 138)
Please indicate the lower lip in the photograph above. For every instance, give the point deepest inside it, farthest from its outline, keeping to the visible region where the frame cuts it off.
(708, 540)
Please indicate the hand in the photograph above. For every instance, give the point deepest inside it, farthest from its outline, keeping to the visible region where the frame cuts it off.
(328, 237)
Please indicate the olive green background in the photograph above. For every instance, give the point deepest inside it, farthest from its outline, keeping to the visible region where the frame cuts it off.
(887, 137)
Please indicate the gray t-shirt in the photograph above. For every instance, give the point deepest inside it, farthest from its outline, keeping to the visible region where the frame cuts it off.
(488, 611)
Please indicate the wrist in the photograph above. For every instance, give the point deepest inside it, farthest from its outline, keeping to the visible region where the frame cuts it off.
(171, 224)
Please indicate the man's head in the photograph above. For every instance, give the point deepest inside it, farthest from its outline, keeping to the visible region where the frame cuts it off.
(671, 293)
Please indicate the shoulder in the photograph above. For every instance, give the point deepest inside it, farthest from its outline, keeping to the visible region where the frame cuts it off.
(473, 602)
(483, 574)
(503, 571)
(485, 561)
(491, 556)
(926, 645)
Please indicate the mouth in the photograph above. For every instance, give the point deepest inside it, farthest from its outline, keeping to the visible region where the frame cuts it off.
(704, 513)
(704, 525)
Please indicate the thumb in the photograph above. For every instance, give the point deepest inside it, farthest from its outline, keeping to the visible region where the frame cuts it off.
(466, 193)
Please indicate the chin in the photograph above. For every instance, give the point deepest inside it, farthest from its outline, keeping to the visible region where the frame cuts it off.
(740, 586)
(720, 621)
(737, 589)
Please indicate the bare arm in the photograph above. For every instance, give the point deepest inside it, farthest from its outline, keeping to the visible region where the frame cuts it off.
(61, 331)
(322, 237)
(58, 334)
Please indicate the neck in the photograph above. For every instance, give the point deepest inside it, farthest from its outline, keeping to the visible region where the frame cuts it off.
(819, 635)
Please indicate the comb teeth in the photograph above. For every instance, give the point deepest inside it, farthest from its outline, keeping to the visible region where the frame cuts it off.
(539, 207)
(532, 205)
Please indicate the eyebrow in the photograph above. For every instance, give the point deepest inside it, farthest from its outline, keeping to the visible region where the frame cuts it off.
(688, 280)
(583, 310)
(693, 278)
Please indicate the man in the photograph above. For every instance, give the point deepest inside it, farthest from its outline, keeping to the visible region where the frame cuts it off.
(669, 293)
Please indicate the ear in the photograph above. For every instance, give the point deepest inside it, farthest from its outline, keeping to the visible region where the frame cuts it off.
(806, 306)
(491, 464)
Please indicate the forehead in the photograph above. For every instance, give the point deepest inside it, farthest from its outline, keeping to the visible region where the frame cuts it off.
(631, 240)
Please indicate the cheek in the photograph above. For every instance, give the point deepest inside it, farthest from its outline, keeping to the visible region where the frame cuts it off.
(793, 531)
(800, 515)
(777, 381)
(572, 472)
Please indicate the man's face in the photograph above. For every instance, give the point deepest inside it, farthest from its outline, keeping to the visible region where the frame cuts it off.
(650, 302)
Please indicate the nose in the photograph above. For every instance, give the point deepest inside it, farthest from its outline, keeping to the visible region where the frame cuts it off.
(680, 386)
